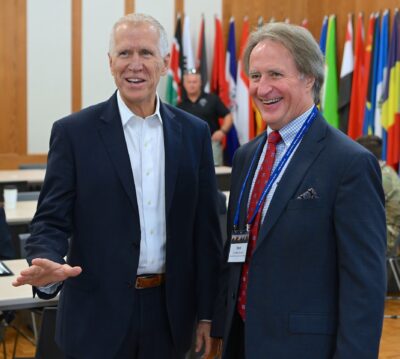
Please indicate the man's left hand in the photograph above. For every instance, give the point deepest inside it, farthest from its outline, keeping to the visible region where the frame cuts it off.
(203, 338)
(218, 136)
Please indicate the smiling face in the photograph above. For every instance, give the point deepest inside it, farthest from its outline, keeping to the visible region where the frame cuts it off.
(279, 90)
(136, 64)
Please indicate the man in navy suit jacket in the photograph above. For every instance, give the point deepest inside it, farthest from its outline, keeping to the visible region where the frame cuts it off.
(316, 279)
(130, 198)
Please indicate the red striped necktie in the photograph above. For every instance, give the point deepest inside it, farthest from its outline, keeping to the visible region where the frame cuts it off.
(262, 178)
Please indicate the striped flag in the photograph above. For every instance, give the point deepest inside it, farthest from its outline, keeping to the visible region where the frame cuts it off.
(324, 32)
(188, 59)
(369, 114)
(244, 121)
(367, 79)
(329, 98)
(201, 61)
(391, 97)
(381, 79)
(173, 95)
(232, 141)
(346, 74)
(357, 103)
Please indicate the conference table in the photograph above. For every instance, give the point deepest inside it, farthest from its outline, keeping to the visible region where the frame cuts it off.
(22, 213)
(13, 298)
(35, 176)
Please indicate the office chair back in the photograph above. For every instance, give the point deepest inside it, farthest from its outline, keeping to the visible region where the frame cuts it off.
(28, 196)
(32, 166)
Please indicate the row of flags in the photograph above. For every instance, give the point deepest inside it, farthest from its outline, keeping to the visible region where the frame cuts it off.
(228, 79)
(364, 98)
(367, 98)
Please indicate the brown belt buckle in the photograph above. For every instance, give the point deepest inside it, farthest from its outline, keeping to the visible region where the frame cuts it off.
(149, 281)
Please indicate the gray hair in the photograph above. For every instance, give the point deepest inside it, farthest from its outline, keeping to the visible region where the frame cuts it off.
(299, 42)
(136, 19)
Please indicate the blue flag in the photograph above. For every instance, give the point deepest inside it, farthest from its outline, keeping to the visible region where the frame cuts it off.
(232, 142)
(324, 33)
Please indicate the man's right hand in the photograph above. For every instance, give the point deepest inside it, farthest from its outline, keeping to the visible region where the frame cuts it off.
(44, 271)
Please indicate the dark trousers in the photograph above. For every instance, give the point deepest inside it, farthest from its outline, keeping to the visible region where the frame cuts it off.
(149, 336)
(235, 346)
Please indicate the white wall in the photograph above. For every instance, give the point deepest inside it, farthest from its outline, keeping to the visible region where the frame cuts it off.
(48, 69)
(98, 17)
(49, 54)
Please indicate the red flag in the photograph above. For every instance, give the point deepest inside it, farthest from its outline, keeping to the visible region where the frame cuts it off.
(219, 84)
(357, 102)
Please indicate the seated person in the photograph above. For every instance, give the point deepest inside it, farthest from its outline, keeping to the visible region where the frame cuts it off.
(391, 188)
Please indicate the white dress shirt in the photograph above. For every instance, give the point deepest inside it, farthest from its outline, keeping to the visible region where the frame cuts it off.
(288, 133)
(145, 141)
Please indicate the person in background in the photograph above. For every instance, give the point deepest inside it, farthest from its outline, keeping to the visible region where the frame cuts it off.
(391, 187)
(209, 108)
(131, 182)
(305, 264)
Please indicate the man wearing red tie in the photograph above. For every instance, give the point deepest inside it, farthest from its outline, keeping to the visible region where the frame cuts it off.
(305, 265)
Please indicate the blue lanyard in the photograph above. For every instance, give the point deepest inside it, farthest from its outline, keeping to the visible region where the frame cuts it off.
(277, 170)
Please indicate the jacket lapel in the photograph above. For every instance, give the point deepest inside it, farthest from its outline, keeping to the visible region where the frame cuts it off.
(173, 147)
(307, 152)
(112, 134)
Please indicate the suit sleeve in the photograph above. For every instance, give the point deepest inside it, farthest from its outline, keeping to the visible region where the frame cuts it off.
(52, 223)
(360, 229)
(207, 232)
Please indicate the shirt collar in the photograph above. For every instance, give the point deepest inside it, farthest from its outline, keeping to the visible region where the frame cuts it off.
(126, 114)
(289, 131)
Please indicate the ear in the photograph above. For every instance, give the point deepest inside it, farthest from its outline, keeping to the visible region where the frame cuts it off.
(110, 63)
(309, 82)
(166, 61)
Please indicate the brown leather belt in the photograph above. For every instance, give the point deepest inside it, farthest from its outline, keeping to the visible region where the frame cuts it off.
(149, 280)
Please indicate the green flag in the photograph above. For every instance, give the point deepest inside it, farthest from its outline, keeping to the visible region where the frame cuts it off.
(329, 100)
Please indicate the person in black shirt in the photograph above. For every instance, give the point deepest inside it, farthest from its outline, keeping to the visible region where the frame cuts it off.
(209, 108)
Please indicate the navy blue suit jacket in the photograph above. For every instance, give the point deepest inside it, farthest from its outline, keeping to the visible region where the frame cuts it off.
(89, 195)
(317, 276)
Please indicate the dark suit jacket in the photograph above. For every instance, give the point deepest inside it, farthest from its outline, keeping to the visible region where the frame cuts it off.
(317, 276)
(89, 194)
(6, 246)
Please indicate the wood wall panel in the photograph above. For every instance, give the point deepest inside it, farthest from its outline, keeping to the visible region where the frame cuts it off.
(13, 85)
(13, 78)
(129, 6)
(178, 8)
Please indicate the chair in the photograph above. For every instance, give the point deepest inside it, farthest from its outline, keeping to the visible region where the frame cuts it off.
(22, 241)
(32, 166)
(28, 196)
(393, 271)
(7, 250)
(46, 346)
(222, 214)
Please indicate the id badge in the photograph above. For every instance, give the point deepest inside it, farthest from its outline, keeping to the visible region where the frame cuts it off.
(238, 249)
